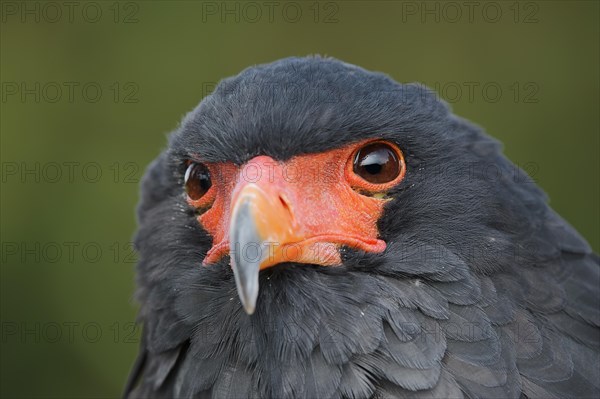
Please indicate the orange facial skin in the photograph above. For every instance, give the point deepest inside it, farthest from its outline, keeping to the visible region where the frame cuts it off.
(304, 208)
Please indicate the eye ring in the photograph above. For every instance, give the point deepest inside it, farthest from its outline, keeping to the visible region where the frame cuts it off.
(376, 166)
(197, 181)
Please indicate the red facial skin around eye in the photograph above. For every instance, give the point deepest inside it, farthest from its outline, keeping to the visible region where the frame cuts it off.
(321, 193)
(223, 178)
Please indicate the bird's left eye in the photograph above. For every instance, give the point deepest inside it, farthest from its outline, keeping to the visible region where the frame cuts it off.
(378, 163)
(197, 181)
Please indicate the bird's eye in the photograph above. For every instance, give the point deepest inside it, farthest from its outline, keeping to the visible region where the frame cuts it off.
(378, 163)
(197, 181)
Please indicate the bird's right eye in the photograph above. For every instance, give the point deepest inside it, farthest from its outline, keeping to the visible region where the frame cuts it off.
(197, 181)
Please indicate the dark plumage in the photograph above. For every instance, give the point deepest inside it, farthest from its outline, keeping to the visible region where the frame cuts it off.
(482, 291)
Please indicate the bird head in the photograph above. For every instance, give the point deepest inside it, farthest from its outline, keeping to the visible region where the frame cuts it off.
(312, 165)
(296, 185)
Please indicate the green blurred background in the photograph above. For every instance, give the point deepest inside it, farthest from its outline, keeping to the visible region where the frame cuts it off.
(90, 90)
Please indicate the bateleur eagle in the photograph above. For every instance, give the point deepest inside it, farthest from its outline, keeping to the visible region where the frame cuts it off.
(315, 230)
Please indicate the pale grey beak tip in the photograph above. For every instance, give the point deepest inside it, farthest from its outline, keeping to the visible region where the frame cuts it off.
(249, 308)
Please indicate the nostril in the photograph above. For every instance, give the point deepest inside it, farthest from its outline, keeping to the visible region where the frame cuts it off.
(286, 205)
(284, 202)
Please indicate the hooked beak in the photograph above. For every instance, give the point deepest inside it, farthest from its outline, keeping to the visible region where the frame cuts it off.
(260, 225)
(242, 233)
